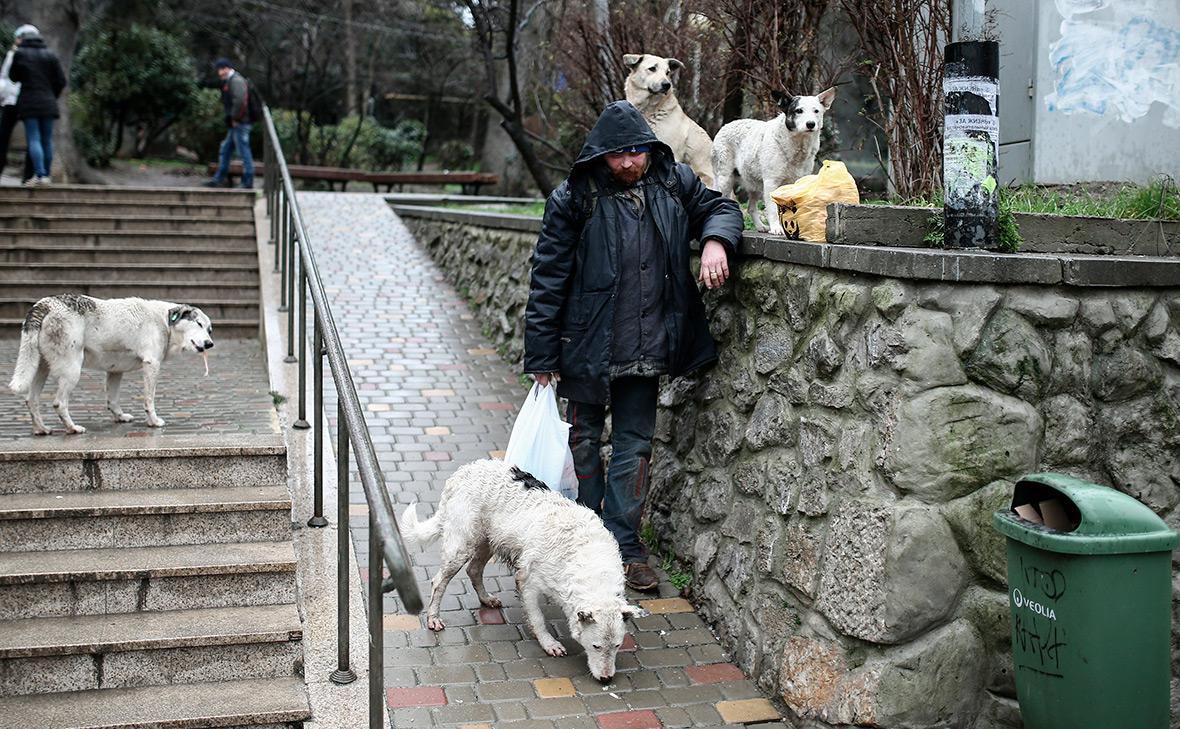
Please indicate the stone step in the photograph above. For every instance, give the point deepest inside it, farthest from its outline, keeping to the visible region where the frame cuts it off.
(77, 653)
(164, 195)
(42, 253)
(207, 210)
(23, 221)
(127, 238)
(208, 271)
(254, 703)
(118, 464)
(194, 286)
(218, 310)
(106, 519)
(145, 579)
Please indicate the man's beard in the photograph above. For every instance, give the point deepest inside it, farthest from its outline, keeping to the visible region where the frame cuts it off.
(628, 178)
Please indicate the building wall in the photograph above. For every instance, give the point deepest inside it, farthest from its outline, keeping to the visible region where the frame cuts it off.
(1108, 95)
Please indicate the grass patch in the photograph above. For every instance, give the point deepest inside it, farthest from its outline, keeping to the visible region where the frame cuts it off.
(532, 210)
(1008, 238)
(277, 398)
(677, 575)
(1159, 200)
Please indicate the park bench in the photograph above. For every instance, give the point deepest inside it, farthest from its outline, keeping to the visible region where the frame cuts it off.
(470, 181)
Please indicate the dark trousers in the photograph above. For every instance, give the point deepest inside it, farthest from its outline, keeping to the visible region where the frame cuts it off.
(619, 498)
(8, 122)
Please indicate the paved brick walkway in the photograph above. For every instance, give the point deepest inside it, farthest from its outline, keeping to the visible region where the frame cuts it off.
(437, 397)
(234, 398)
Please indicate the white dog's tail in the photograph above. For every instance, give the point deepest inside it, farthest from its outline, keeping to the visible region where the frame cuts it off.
(28, 360)
(419, 532)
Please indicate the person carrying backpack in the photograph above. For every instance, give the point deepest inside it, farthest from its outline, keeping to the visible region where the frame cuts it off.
(613, 305)
(241, 111)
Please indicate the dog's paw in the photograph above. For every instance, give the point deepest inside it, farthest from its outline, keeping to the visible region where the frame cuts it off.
(155, 422)
(123, 418)
(554, 649)
(38, 430)
(435, 623)
(777, 230)
(491, 601)
(77, 429)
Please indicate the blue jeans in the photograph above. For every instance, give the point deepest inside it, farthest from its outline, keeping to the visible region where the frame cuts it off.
(39, 136)
(619, 498)
(237, 138)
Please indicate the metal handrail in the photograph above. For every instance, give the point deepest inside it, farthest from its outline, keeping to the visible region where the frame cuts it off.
(289, 234)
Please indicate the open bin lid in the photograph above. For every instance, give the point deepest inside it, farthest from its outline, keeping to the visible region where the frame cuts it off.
(1089, 519)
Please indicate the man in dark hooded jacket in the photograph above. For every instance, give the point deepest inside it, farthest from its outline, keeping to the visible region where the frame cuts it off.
(613, 305)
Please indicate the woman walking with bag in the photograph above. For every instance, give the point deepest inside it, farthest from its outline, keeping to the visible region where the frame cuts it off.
(40, 75)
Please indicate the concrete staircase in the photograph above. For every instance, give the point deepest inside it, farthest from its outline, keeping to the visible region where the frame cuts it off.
(148, 587)
(188, 245)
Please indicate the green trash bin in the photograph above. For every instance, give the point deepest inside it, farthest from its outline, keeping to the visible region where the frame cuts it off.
(1090, 596)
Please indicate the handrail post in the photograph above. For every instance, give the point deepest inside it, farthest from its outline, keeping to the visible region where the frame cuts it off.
(281, 251)
(292, 261)
(317, 514)
(376, 625)
(301, 423)
(343, 673)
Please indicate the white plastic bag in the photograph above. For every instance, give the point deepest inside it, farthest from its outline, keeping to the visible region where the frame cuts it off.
(539, 443)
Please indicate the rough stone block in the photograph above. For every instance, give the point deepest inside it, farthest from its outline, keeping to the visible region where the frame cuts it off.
(928, 358)
(951, 440)
(1045, 307)
(1069, 431)
(891, 298)
(1011, 356)
(773, 423)
(802, 548)
(1124, 374)
(719, 433)
(970, 519)
(969, 307)
(714, 494)
(889, 573)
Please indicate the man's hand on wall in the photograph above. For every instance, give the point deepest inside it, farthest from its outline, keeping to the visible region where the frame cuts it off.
(714, 264)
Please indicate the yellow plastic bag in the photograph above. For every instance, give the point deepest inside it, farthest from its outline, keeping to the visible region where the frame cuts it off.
(803, 205)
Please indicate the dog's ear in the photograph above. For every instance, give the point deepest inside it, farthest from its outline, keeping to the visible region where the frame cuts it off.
(781, 100)
(176, 313)
(585, 616)
(826, 97)
(631, 60)
(674, 65)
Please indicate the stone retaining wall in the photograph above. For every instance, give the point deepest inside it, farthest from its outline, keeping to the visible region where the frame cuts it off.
(831, 482)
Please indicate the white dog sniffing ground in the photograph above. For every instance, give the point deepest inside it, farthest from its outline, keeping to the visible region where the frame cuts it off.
(557, 547)
(650, 89)
(764, 155)
(62, 334)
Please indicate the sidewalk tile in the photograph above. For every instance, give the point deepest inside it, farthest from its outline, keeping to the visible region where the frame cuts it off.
(630, 720)
(747, 711)
(490, 616)
(552, 688)
(401, 622)
(714, 673)
(400, 698)
(628, 644)
(666, 605)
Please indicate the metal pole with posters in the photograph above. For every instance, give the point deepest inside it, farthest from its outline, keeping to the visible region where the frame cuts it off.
(971, 132)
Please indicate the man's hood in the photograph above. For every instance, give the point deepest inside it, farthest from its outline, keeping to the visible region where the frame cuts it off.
(620, 125)
(33, 42)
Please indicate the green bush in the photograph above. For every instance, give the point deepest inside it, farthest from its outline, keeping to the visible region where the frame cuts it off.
(356, 143)
(203, 127)
(456, 155)
(130, 77)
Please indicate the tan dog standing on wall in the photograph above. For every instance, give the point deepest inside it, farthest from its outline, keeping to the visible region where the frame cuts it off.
(650, 89)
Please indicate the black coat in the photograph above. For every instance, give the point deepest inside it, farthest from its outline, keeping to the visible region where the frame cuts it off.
(570, 314)
(39, 73)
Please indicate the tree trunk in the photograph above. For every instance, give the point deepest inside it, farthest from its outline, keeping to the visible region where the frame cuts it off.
(350, 90)
(59, 22)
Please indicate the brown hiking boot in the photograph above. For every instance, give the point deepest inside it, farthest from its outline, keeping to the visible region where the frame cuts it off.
(640, 576)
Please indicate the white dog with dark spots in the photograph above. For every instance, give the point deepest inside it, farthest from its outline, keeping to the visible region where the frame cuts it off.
(762, 156)
(557, 547)
(62, 334)
(650, 88)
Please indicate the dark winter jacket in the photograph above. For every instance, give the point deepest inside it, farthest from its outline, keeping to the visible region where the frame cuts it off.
(235, 95)
(570, 315)
(39, 73)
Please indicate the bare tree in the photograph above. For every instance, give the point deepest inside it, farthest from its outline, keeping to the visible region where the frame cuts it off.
(903, 40)
(497, 23)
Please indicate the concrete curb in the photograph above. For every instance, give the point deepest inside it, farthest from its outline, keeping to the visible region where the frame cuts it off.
(332, 706)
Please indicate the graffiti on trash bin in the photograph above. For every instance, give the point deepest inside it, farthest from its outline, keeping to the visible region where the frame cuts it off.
(1038, 640)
